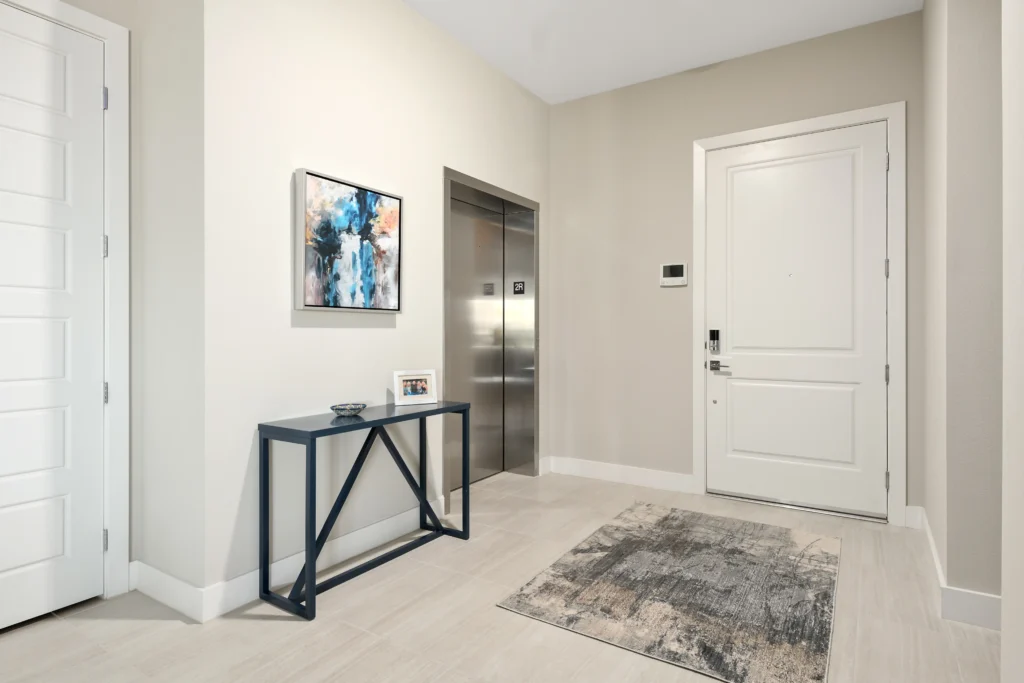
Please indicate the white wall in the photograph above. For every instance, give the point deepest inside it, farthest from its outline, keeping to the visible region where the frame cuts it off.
(365, 90)
(936, 18)
(167, 456)
(974, 363)
(621, 200)
(1013, 341)
(963, 212)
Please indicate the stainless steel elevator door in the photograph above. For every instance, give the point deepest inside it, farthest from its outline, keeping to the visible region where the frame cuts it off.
(473, 363)
(520, 339)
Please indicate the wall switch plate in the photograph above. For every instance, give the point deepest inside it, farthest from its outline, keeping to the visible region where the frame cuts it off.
(674, 275)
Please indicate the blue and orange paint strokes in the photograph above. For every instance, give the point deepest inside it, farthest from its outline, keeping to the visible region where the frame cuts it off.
(352, 245)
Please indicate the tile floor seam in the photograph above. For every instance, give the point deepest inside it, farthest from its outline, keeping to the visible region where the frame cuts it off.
(460, 571)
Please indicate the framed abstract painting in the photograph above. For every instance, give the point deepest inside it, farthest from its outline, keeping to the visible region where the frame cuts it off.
(347, 246)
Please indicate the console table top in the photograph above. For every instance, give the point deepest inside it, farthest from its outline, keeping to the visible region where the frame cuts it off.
(327, 424)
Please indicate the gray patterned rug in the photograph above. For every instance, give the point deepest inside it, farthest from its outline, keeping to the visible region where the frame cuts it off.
(739, 601)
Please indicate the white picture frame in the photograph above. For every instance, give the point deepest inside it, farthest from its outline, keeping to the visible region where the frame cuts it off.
(407, 381)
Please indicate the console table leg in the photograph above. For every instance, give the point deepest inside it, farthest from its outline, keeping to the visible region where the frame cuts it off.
(465, 474)
(311, 529)
(264, 516)
(423, 472)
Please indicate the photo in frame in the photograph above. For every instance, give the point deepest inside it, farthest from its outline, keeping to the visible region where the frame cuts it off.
(348, 242)
(415, 387)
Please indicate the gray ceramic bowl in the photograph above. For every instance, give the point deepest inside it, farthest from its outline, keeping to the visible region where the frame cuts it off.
(348, 409)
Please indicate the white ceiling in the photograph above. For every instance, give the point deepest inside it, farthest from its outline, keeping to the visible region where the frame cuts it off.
(565, 49)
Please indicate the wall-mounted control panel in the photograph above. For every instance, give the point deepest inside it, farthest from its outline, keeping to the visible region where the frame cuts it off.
(673, 275)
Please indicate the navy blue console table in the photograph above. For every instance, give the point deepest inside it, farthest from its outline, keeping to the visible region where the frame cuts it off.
(301, 600)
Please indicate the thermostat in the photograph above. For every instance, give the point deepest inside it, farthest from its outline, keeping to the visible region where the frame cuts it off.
(673, 275)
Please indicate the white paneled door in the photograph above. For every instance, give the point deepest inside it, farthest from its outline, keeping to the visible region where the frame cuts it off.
(796, 289)
(51, 316)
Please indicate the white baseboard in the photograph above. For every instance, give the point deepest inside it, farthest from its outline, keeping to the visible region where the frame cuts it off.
(545, 466)
(179, 595)
(960, 604)
(624, 474)
(971, 607)
(915, 517)
(204, 604)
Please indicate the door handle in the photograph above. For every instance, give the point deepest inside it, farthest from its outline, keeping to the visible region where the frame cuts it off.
(717, 365)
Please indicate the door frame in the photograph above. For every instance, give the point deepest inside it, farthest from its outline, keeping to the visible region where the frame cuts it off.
(448, 176)
(117, 282)
(895, 116)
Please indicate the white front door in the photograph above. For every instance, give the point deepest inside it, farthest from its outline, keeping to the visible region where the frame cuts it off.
(51, 316)
(796, 288)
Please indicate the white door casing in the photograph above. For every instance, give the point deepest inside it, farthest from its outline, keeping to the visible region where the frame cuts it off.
(796, 248)
(51, 316)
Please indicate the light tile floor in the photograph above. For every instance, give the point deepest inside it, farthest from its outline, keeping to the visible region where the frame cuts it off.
(431, 615)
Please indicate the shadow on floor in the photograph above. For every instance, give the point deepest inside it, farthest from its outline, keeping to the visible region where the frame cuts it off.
(133, 606)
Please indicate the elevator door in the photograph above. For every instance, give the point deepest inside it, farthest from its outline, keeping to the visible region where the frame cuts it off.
(490, 333)
(520, 338)
(473, 367)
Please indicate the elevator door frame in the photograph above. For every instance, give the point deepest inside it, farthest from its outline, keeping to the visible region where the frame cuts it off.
(451, 175)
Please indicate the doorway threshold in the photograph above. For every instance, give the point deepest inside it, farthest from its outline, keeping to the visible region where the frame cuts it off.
(800, 508)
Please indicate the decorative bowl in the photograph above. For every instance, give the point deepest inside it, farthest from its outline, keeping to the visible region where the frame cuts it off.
(348, 409)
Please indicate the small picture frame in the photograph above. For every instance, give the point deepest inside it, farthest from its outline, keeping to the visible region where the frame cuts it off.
(415, 387)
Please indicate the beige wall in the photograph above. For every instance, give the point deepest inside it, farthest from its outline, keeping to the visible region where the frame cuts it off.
(167, 279)
(621, 204)
(936, 21)
(1013, 341)
(974, 295)
(963, 269)
(365, 90)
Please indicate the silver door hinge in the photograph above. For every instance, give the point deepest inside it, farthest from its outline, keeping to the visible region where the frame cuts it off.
(106, 98)
(886, 481)
(886, 161)
(887, 268)
(886, 373)
(106, 541)
(106, 246)
(106, 392)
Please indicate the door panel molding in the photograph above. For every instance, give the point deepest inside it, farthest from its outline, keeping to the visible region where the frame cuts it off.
(894, 115)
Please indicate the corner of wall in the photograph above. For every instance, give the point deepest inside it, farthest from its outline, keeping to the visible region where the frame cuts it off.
(935, 136)
(973, 296)
(1013, 340)
(167, 323)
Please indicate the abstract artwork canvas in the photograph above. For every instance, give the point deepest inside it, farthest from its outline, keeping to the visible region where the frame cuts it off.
(348, 245)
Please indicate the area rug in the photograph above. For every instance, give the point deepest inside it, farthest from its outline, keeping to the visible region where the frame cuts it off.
(738, 601)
